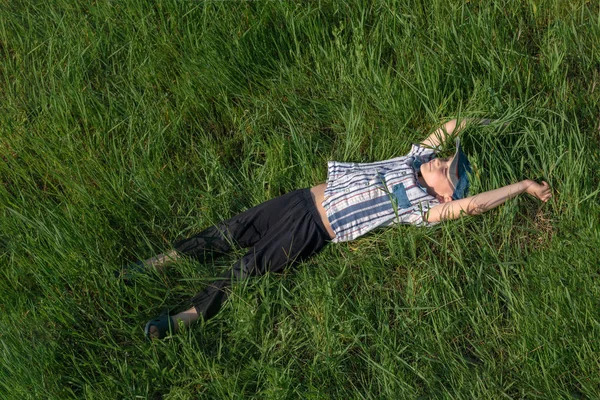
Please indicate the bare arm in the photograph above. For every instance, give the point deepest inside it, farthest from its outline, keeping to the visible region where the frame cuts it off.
(450, 128)
(485, 201)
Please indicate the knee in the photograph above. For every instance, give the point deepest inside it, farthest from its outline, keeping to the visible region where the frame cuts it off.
(246, 266)
(243, 270)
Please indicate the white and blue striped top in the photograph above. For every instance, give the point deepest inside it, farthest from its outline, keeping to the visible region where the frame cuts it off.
(363, 196)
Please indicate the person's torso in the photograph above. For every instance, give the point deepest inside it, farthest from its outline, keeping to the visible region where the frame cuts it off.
(361, 197)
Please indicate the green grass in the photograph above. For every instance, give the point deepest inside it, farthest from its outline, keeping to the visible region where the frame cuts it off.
(125, 126)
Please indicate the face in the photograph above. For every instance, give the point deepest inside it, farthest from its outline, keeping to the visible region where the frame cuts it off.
(435, 176)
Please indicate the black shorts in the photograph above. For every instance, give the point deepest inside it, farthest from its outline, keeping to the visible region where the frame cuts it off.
(278, 233)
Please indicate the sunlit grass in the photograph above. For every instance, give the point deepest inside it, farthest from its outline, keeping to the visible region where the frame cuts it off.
(127, 126)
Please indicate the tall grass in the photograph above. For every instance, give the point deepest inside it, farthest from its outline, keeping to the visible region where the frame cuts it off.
(125, 126)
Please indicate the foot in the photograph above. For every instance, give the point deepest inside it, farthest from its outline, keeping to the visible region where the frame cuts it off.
(161, 326)
(128, 272)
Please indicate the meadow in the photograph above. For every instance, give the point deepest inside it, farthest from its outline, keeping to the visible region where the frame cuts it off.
(127, 125)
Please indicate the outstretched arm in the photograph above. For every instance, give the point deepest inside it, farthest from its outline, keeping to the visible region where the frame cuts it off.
(450, 128)
(485, 201)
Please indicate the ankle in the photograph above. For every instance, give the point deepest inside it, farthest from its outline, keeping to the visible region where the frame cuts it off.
(186, 317)
(161, 260)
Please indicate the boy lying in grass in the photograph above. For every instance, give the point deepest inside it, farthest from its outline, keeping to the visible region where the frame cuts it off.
(417, 189)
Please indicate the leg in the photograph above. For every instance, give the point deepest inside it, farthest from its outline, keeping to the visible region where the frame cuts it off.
(128, 272)
(295, 238)
(299, 234)
(209, 301)
(161, 260)
(243, 230)
(212, 241)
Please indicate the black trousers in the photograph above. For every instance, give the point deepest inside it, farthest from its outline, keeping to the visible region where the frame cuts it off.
(278, 233)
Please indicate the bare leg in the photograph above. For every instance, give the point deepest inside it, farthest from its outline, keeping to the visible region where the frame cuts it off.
(187, 317)
(161, 260)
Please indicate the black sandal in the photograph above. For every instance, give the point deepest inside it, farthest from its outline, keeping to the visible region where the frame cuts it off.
(163, 323)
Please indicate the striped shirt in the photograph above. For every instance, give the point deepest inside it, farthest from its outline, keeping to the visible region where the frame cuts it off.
(363, 196)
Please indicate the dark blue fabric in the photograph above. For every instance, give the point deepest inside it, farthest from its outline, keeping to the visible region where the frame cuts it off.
(464, 168)
(401, 197)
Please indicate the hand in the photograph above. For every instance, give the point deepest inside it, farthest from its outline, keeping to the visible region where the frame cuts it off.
(542, 191)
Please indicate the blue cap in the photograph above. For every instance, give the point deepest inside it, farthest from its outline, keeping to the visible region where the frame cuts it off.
(458, 172)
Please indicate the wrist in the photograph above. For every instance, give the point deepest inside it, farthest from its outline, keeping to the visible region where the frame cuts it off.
(525, 185)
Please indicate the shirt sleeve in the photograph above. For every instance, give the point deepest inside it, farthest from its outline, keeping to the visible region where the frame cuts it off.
(422, 152)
